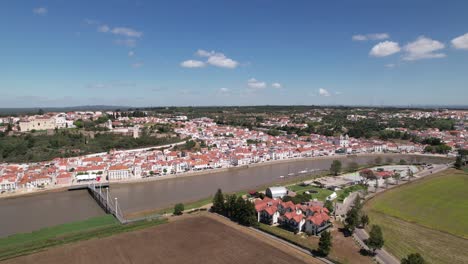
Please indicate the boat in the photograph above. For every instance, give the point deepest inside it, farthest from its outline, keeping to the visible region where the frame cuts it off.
(281, 176)
(303, 171)
(291, 174)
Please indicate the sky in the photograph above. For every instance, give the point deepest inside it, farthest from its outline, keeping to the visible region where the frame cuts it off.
(57, 53)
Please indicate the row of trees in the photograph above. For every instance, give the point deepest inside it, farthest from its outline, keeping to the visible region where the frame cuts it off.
(235, 208)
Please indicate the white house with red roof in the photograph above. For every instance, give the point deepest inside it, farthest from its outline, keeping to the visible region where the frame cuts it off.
(118, 172)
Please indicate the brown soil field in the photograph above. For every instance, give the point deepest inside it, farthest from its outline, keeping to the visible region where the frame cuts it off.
(193, 239)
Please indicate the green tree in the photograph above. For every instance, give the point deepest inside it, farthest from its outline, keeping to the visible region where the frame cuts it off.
(352, 220)
(179, 209)
(335, 167)
(413, 258)
(218, 202)
(40, 111)
(458, 163)
(329, 205)
(376, 240)
(402, 162)
(325, 243)
(364, 220)
(396, 176)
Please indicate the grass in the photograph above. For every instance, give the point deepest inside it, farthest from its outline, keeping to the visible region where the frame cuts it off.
(321, 194)
(342, 194)
(429, 216)
(103, 226)
(440, 203)
(299, 240)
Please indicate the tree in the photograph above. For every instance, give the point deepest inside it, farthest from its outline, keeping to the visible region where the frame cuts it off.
(364, 220)
(376, 240)
(410, 174)
(413, 258)
(389, 160)
(402, 162)
(353, 166)
(396, 177)
(218, 202)
(335, 167)
(40, 111)
(179, 209)
(368, 175)
(458, 162)
(352, 220)
(329, 205)
(230, 205)
(357, 203)
(325, 243)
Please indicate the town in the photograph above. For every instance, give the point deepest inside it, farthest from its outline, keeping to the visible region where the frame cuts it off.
(203, 144)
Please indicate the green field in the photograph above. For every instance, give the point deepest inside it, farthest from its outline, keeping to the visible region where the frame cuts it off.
(429, 216)
(102, 226)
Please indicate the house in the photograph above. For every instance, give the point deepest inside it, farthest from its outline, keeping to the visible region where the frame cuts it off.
(8, 183)
(64, 178)
(118, 172)
(293, 221)
(317, 222)
(267, 211)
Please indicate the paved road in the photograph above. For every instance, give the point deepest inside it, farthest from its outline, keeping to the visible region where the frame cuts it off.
(343, 208)
(361, 235)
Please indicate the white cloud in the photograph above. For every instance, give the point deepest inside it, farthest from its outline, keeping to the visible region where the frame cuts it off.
(131, 53)
(192, 64)
(423, 48)
(323, 92)
(224, 90)
(126, 42)
(373, 36)
(255, 84)
(137, 65)
(103, 28)
(460, 42)
(42, 11)
(217, 59)
(385, 48)
(128, 32)
(390, 65)
(276, 85)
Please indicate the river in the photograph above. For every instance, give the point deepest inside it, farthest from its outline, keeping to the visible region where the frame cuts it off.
(25, 214)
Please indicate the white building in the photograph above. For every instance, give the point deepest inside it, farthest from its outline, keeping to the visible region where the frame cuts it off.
(118, 172)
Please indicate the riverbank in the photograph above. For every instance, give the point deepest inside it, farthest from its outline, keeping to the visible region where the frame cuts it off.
(221, 170)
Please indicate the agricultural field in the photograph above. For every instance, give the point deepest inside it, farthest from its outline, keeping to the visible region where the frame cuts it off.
(101, 226)
(192, 239)
(429, 216)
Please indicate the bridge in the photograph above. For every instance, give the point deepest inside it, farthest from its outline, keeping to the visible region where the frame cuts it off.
(100, 193)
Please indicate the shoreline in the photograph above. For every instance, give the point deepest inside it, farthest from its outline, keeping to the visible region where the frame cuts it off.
(189, 174)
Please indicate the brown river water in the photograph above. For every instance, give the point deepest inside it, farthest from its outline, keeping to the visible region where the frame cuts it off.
(25, 214)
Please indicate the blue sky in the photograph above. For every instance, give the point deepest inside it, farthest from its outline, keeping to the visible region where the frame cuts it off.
(160, 53)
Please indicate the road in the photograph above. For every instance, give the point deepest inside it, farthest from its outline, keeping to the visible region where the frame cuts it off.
(361, 235)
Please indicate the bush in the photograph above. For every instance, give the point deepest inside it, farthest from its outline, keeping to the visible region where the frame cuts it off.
(179, 209)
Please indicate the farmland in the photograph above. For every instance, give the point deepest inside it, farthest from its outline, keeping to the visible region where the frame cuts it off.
(193, 239)
(429, 216)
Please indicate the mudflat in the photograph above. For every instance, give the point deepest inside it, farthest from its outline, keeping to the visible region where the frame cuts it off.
(194, 239)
